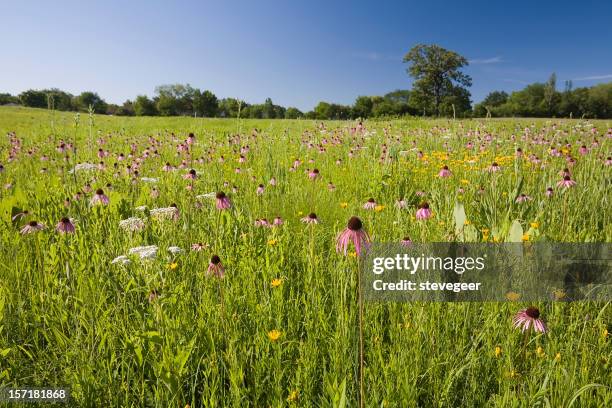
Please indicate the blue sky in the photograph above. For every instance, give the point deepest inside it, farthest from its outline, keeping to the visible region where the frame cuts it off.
(297, 53)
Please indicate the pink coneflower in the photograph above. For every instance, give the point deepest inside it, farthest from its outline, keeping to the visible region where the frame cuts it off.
(262, 222)
(370, 204)
(583, 150)
(331, 186)
(494, 167)
(608, 161)
(20, 215)
(277, 220)
(401, 203)
(190, 139)
(99, 198)
(154, 192)
(199, 246)
(424, 212)
(310, 219)
(167, 167)
(567, 182)
(522, 198)
(529, 317)
(406, 242)
(314, 174)
(549, 192)
(191, 175)
(242, 159)
(272, 181)
(32, 227)
(444, 172)
(223, 201)
(420, 193)
(354, 233)
(65, 226)
(260, 189)
(215, 267)
(519, 152)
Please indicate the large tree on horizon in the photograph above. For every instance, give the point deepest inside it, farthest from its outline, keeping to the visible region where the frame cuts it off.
(438, 76)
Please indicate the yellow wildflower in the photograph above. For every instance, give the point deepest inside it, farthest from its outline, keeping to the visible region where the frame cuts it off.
(343, 205)
(540, 352)
(276, 282)
(513, 296)
(558, 357)
(379, 208)
(534, 225)
(274, 335)
(172, 265)
(272, 242)
(498, 351)
(293, 396)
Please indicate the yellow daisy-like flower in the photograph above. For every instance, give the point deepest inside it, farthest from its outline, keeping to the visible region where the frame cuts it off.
(498, 351)
(464, 181)
(276, 282)
(293, 396)
(343, 205)
(172, 265)
(272, 242)
(513, 296)
(353, 254)
(525, 237)
(274, 335)
(379, 208)
(604, 333)
(540, 352)
(534, 225)
(300, 213)
(558, 357)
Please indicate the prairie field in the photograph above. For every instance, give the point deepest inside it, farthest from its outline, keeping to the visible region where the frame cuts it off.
(124, 277)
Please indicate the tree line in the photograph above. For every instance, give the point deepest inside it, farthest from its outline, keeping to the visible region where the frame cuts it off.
(440, 88)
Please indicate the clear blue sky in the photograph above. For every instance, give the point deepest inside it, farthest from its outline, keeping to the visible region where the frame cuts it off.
(295, 53)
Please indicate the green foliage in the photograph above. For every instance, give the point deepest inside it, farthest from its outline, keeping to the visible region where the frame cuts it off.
(143, 106)
(439, 82)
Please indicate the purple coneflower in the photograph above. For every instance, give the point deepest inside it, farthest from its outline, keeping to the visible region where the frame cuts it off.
(424, 212)
(65, 226)
(198, 246)
(406, 242)
(608, 161)
(549, 192)
(314, 174)
(262, 222)
(401, 203)
(529, 317)
(272, 181)
(32, 227)
(191, 175)
(444, 172)
(354, 233)
(99, 198)
(567, 182)
(215, 267)
(331, 186)
(370, 204)
(223, 201)
(310, 219)
(494, 167)
(522, 198)
(277, 220)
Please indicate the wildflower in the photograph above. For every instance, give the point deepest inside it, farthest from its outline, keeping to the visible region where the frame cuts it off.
(370, 204)
(276, 282)
(272, 242)
(424, 212)
(223, 201)
(215, 267)
(608, 161)
(406, 242)
(522, 198)
(343, 205)
(529, 317)
(549, 192)
(379, 208)
(132, 224)
(262, 222)
(274, 335)
(198, 246)
(171, 212)
(331, 186)
(354, 233)
(154, 192)
(172, 265)
(401, 203)
(121, 259)
(191, 175)
(277, 221)
(175, 250)
(444, 172)
(310, 219)
(32, 227)
(540, 351)
(498, 351)
(293, 396)
(513, 296)
(558, 357)
(494, 167)
(314, 174)
(99, 198)
(260, 189)
(65, 226)
(534, 225)
(567, 182)
(144, 252)
(153, 295)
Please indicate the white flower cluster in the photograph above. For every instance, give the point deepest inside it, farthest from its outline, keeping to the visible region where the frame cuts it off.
(149, 179)
(121, 259)
(144, 252)
(132, 224)
(164, 213)
(83, 166)
(207, 195)
(141, 208)
(174, 250)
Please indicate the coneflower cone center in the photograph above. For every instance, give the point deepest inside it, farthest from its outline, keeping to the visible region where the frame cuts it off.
(354, 224)
(220, 195)
(99, 191)
(532, 312)
(215, 260)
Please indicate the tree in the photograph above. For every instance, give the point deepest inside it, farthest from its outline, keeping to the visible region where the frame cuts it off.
(551, 96)
(205, 103)
(437, 74)
(293, 113)
(143, 106)
(33, 98)
(7, 98)
(362, 108)
(228, 107)
(87, 99)
(490, 102)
